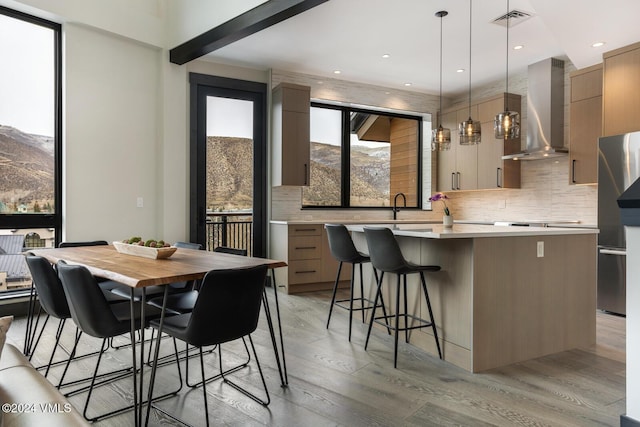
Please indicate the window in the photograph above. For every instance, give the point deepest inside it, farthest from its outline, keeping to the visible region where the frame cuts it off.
(362, 158)
(30, 137)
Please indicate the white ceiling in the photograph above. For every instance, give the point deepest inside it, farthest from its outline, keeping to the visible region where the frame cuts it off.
(352, 36)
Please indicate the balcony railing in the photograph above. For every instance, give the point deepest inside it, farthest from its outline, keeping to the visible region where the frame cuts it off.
(231, 229)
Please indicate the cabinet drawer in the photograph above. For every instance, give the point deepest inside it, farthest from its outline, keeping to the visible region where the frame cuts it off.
(305, 271)
(305, 247)
(305, 230)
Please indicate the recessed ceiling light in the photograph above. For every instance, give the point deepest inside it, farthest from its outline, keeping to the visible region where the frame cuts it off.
(407, 84)
(460, 70)
(518, 47)
(337, 72)
(320, 82)
(386, 55)
(597, 44)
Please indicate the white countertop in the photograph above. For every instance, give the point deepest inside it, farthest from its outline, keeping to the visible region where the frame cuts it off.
(465, 231)
(352, 221)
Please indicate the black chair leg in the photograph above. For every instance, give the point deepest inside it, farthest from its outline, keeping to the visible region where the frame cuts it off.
(55, 346)
(397, 324)
(32, 349)
(353, 273)
(373, 312)
(241, 389)
(333, 296)
(406, 311)
(204, 383)
(433, 322)
(361, 292)
(384, 310)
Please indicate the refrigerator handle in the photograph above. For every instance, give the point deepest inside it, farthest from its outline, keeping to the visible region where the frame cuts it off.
(613, 252)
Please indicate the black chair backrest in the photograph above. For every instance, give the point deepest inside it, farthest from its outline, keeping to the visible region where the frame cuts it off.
(228, 305)
(340, 243)
(78, 244)
(384, 250)
(188, 245)
(232, 251)
(89, 307)
(48, 286)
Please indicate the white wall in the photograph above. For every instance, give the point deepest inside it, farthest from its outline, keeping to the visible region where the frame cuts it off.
(142, 20)
(112, 126)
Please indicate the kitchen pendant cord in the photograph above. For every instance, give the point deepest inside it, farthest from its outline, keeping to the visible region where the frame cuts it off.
(440, 115)
(470, 8)
(507, 77)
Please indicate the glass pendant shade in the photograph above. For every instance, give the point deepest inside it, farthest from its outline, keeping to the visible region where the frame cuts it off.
(506, 125)
(441, 140)
(469, 132)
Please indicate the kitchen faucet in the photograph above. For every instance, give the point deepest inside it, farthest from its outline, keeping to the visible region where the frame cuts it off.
(396, 209)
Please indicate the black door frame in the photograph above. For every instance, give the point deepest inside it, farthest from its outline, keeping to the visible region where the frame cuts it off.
(202, 86)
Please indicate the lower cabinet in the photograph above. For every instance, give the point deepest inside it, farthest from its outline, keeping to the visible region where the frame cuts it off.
(305, 248)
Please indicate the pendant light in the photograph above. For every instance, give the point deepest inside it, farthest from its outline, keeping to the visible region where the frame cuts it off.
(469, 130)
(441, 136)
(506, 125)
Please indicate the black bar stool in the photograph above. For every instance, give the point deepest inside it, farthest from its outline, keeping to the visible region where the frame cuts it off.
(387, 257)
(343, 250)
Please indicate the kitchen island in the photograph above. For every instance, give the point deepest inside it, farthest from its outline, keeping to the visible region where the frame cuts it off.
(504, 295)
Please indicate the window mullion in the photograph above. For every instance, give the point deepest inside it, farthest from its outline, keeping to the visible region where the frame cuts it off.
(345, 159)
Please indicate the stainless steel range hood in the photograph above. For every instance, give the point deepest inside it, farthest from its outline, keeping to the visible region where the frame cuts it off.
(545, 111)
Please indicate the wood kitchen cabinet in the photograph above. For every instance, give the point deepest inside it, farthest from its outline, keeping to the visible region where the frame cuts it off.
(305, 248)
(585, 125)
(493, 171)
(621, 91)
(458, 166)
(291, 134)
(479, 166)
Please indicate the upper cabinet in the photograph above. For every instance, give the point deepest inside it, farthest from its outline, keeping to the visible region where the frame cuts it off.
(585, 125)
(291, 140)
(479, 166)
(458, 166)
(621, 91)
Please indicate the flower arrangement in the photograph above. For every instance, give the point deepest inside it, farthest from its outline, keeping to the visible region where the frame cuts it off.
(441, 197)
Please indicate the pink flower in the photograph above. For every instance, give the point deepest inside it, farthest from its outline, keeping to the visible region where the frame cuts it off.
(441, 197)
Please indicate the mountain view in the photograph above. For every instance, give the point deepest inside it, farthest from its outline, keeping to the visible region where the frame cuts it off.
(229, 175)
(26, 171)
(369, 176)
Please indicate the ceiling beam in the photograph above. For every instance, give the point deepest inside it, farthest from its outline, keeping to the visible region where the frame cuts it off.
(250, 22)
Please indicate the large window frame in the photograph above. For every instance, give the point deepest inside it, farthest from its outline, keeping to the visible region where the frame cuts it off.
(345, 153)
(31, 222)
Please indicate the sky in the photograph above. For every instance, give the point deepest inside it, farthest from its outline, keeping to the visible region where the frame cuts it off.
(27, 85)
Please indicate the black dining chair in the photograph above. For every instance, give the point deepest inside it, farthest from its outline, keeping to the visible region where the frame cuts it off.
(53, 301)
(105, 285)
(227, 309)
(183, 302)
(96, 317)
(387, 257)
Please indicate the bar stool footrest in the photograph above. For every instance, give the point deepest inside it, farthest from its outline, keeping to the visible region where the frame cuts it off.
(384, 321)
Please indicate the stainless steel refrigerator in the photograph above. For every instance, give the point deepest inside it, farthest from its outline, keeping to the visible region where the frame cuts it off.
(618, 168)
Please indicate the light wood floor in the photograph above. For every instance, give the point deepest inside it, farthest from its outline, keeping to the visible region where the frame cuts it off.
(334, 382)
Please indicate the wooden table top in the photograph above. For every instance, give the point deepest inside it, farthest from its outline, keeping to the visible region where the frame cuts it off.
(185, 264)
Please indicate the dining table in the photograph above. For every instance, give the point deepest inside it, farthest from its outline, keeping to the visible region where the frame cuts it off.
(183, 265)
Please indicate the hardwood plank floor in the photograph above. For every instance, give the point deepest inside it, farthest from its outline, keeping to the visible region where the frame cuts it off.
(335, 382)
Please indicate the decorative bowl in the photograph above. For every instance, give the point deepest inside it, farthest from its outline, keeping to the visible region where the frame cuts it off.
(144, 251)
